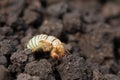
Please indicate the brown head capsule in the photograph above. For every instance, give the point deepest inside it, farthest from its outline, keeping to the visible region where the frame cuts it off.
(47, 43)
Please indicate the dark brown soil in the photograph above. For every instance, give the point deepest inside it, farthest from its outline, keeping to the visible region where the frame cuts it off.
(90, 30)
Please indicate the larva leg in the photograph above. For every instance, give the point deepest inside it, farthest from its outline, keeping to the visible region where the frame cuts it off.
(53, 54)
(45, 46)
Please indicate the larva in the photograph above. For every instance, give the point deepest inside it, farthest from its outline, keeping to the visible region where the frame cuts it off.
(47, 43)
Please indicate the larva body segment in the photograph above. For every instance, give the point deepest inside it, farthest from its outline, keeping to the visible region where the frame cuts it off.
(56, 42)
(50, 39)
(47, 43)
(33, 44)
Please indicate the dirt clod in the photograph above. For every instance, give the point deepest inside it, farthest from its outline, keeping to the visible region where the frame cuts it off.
(7, 47)
(52, 27)
(40, 68)
(3, 73)
(73, 68)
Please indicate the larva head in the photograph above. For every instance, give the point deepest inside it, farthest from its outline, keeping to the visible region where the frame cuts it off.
(54, 55)
(58, 52)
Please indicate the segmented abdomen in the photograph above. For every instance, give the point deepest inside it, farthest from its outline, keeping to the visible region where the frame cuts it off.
(33, 44)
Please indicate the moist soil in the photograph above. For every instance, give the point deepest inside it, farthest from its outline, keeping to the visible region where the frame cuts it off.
(90, 30)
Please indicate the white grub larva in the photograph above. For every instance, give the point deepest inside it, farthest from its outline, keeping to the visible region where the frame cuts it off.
(47, 43)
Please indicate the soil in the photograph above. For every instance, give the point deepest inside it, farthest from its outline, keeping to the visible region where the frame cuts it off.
(90, 30)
